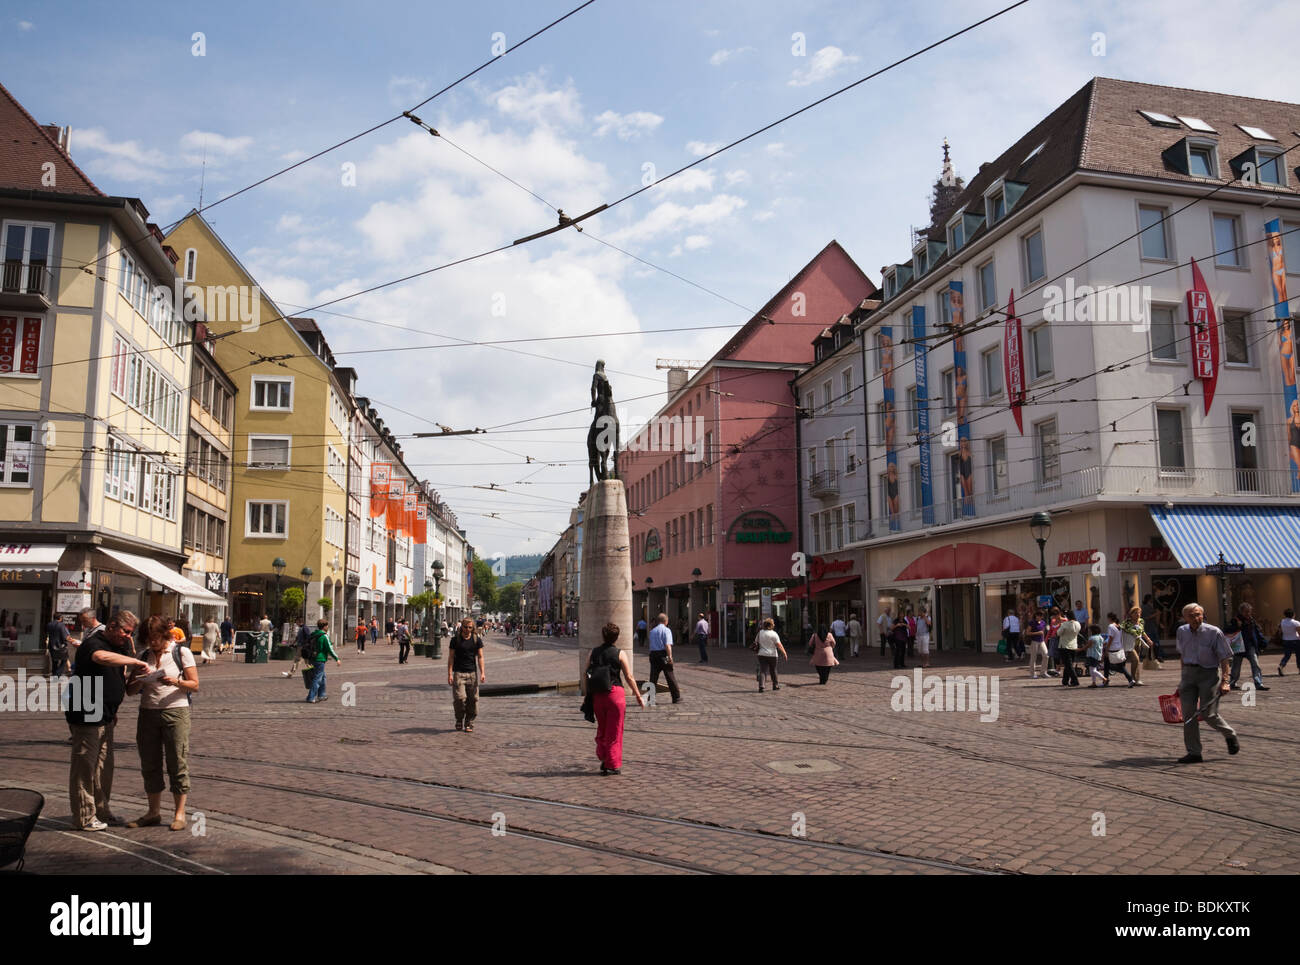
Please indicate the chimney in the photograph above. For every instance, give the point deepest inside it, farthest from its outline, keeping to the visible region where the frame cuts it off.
(677, 379)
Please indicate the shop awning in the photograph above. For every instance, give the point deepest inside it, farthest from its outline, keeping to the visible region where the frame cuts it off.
(963, 561)
(817, 586)
(153, 570)
(1261, 537)
(41, 557)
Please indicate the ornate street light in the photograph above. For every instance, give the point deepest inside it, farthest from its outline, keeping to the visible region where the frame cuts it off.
(436, 567)
(1041, 526)
(306, 580)
(278, 566)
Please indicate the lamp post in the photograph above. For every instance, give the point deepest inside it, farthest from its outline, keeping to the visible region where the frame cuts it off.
(306, 580)
(649, 603)
(278, 566)
(1041, 526)
(428, 608)
(695, 590)
(436, 567)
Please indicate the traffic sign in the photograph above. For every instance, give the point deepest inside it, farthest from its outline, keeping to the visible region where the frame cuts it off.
(1046, 600)
(1219, 569)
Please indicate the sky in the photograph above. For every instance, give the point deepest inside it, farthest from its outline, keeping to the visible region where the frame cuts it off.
(618, 95)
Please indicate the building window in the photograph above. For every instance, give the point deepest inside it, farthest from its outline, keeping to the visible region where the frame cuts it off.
(831, 463)
(1201, 162)
(1048, 452)
(949, 381)
(915, 479)
(995, 206)
(1236, 338)
(334, 527)
(1040, 352)
(1154, 240)
(988, 286)
(191, 264)
(1227, 236)
(850, 522)
(1169, 434)
(709, 522)
(991, 363)
(954, 477)
(812, 461)
(998, 466)
(1270, 169)
(884, 495)
(20, 345)
(1164, 333)
(826, 531)
(846, 387)
(268, 519)
(920, 263)
(816, 532)
(27, 256)
(337, 467)
(274, 393)
(269, 452)
(944, 308)
(827, 392)
(16, 454)
(1245, 459)
(1035, 264)
(956, 234)
(837, 527)
(850, 452)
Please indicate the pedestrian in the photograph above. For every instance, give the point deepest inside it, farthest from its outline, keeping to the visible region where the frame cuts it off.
(1095, 655)
(163, 727)
(321, 650)
(1251, 642)
(823, 653)
(1081, 613)
(661, 656)
(898, 640)
(374, 632)
(1036, 631)
(1151, 620)
(610, 706)
(227, 635)
(1206, 655)
(465, 672)
(265, 626)
(640, 633)
(855, 634)
(702, 638)
(1136, 642)
(211, 633)
(1011, 631)
(361, 638)
(56, 646)
(911, 633)
(885, 624)
(840, 631)
(403, 642)
(923, 626)
(390, 628)
(1053, 626)
(303, 651)
(1289, 629)
(88, 623)
(767, 644)
(104, 654)
(1116, 657)
(1067, 647)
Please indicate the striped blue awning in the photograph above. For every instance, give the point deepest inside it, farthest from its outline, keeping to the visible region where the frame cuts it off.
(1261, 537)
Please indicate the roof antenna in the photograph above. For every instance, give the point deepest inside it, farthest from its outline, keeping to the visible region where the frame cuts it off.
(203, 172)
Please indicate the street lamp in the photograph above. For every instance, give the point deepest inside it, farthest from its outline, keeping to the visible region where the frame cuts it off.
(1041, 527)
(306, 580)
(428, 607)
(436, 567)
(278, 566)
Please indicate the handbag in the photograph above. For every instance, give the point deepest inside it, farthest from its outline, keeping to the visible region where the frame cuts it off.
(1235, 642)
(1002, 645)
(1171, 708)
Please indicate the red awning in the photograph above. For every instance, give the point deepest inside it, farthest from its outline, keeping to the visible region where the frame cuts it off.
(818, 586)
(963, 560)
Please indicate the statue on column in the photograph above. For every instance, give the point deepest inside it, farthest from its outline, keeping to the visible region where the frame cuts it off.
(603, 436)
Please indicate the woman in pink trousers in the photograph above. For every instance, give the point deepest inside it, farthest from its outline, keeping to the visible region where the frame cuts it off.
(610, 708)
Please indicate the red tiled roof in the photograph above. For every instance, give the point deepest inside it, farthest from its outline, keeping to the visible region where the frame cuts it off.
(25, 146)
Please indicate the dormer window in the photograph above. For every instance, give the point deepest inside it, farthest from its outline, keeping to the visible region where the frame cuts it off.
(1200, 161)
(889, 286)
(1265, 163)
(920, 261)
(995, 204)
(1196, 157)
(956, 234)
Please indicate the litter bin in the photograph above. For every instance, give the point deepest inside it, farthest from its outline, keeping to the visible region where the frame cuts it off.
(256, 645)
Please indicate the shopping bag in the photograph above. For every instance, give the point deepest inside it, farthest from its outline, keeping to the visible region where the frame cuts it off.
(1171, 708)
(1002, 645)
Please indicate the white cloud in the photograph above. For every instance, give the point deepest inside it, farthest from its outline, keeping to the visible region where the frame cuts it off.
(532, 101)
(720, 57)
(200, 145)
(701, 148)
(407, 90)
(767, 215)
(26, 25)
(123, 160)
(739, 176)
(696, 242)
(776, 149)
(626, 126)
(669, 216)
(823, 64)
(692, 179)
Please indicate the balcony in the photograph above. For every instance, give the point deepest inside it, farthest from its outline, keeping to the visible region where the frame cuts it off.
(825, 484)
(1140, 484)
(25, 287)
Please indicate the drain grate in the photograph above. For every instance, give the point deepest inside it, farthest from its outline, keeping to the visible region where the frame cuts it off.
(810, 766)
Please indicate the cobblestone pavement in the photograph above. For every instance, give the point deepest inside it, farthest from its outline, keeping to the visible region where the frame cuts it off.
(806, 779)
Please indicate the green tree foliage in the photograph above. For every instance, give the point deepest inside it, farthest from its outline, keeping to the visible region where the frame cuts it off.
(484, 583)
(508, 597)
(291, 601)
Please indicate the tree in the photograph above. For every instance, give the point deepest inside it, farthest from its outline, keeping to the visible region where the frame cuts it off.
(291, 601)
(484, 583)
(325, 603)
(508, 597)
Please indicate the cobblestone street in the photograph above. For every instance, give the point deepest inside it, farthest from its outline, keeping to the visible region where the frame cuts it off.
(723, 782)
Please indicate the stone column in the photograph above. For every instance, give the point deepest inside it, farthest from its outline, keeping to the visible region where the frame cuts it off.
(606, 572)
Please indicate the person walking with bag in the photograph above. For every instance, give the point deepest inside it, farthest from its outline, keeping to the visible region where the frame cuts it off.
(767, 644)
(1067, 646)
(211, 631)
(1289, 629)
(899, 638)
(320, 650)
(1251, 642)
(1011, 630)
(702, 638)
(1116, 655)
(607, 671)
(1135, 640)
(465, 671)
(162, 730)
(1036, 631)
(923, 637)
(1095, 657)
(1206, 656)
(823, 658)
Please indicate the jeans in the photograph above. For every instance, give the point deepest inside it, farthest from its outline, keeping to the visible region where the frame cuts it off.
(767, 665)
(1250, 655)
(1292, 648)
(317, 690)
(1200, 685)
(1069, 676)
(404, 651)
(659, 663)
(702, 642)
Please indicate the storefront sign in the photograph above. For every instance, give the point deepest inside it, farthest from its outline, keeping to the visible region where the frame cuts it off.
(216, 582)
(759, 527)
(1013, 362)
(1144, 554)
(1205, 335)
(23, 576)
(73, 602)
(821, 567)
(73, 580)
(653, 549)
(1076, 558)
(765, 595)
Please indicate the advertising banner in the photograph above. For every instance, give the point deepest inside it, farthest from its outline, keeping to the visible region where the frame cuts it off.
(891, 454)
(923, 413)
(957, 315)
(1285, 344)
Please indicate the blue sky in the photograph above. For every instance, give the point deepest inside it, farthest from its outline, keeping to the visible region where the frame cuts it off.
(575, 115)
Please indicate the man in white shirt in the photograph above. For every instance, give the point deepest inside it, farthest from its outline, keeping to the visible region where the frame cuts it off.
(1011, 629)
(1290, 628)
(884, 622)
(702, 638)
(1081, 613)
(855, 634)
(841, 633)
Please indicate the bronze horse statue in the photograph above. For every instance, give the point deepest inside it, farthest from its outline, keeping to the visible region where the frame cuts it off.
(600, 445)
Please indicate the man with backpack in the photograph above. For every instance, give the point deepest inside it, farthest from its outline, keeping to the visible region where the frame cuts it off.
(317, 650)
(404, 641)
(465, 672)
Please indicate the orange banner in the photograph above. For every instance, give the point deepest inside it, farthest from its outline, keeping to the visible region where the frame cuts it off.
(421, 523)
(396, 496)
(380, 473)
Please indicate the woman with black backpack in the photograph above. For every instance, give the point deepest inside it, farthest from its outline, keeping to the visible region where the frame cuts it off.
(607, 669)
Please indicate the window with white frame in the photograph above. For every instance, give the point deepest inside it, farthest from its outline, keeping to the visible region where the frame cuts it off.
(338, 413)
(191, 264)
(157, 488)
(954, 477)
(831, 462)
(988, 285)
(995, 204)
(20, 345)
(828, 395)
(1035, 261)
(269, 452)
(142, 386)
(956, 233)
(1236, 338)
(998, 466)
(1048, 452)
(916, 489)
(846, 387)
(850, 522)
(1164, 333)
(949, 381)
(827, 538)
(837, 527)
(991, 366)
(1169, 435)
(334, 527)
(16, 454)
(267, 519)
(812, 461)
(1040, 352)
(337, 467)
(1154, 239)
(28, 247)
(271, 393)
(814, 527)
(1202, 161)
(850, 452)
(943, 307)
(1227, 238)
(913, 410)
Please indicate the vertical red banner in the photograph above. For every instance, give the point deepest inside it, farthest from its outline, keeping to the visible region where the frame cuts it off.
(1013, 363)
(410, 504)
(31, 347)
(396, 497)
(8, 342)
(1205, 335)
(421, 523)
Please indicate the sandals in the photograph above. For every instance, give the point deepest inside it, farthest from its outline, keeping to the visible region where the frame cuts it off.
(178, 824)
(148, 821)
(469, 728)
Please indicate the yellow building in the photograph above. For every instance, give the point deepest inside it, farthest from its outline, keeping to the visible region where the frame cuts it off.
(290, 452)
(94, 386)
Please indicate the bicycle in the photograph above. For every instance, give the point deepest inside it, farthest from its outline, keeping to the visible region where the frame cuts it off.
(519, 640)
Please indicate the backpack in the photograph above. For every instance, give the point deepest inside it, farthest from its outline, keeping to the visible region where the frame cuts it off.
(177, 649)
(602, 672)
(310, 647)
